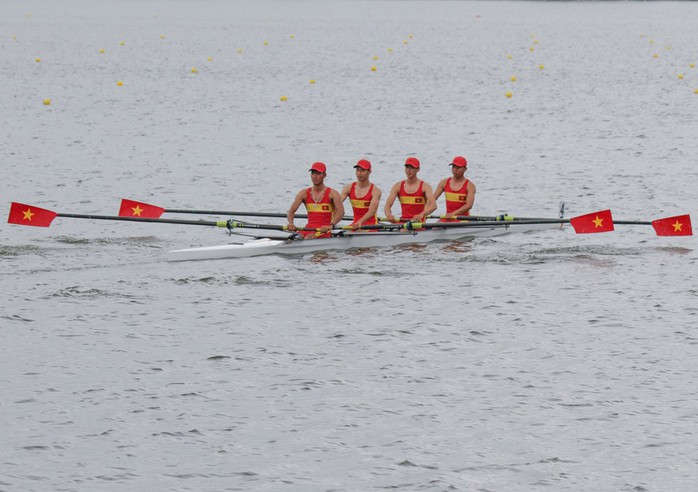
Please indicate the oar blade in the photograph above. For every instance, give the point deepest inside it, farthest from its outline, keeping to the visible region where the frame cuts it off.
(601, 221)
(29, 215)
(131, 208)
(679, 225)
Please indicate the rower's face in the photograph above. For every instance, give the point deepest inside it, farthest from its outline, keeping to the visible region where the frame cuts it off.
(362, 174)
(410, 171)
(317, 178)
(458, 171)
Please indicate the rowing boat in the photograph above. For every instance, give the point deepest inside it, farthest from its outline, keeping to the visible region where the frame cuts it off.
(352, 240)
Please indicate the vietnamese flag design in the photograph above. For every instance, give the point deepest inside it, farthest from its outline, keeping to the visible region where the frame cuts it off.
(601, 221)
(30, 215)
(130, 208)
(679, 225)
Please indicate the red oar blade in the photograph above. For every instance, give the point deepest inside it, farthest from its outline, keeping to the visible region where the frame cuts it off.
(600, 221)
(679, 225)
(130, 208)
(29, 215)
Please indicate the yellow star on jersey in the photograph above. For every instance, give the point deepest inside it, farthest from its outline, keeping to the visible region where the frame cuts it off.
(598, 222)
(677, 226)
(28, 214)
(137, 210)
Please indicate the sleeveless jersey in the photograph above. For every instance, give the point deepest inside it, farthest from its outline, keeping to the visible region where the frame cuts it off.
(411, 203)
(360, 205)
(320, 213)
(455, 199)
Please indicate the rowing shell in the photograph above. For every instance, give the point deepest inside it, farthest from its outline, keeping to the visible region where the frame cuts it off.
(348, 240)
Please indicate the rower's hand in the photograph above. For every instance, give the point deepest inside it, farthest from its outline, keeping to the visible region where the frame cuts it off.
(290, 227)
(356, 226)
(391, 218)
(325, 229)
(418, 218)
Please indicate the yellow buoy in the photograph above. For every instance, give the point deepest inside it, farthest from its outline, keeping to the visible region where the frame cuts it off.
(541, 66)
(508, 94)
(375, 58)
(284, 98)
(266, 43)
(123, 43)
(680, 76)
(102, 51)
(239, 50)
(410, 36)
(373, 68)
(509, 57)
(513, 78)
(692, 65)
(293, 36)
(651, 41)
(390, 50)
(37, 60)
(312, 81)
(162, 36)
(47, 102)
(536, 41)
(194, 70)
(695, 91)
(119, 83)
(404, 42)
(655, 55)
(531, 48)
(210, 58)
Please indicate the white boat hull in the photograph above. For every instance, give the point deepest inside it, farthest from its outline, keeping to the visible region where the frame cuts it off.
(349, 240)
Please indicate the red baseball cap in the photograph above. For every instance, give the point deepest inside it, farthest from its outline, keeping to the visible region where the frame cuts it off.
(459, 161)
(412, 161)
(319, 167)
(363, 164)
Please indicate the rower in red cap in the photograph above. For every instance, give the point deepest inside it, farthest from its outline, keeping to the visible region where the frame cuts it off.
(363, 195)
(416, 196)
(323, 204)
(460, 191)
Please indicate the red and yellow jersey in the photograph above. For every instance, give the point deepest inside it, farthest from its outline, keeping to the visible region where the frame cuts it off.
(319, 213)
(412, 203)
(360, 205)
(455, 199)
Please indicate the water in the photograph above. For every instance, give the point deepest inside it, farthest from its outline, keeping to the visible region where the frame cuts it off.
(548, 361)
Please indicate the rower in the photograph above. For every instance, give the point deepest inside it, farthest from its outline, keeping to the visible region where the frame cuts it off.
(364, 196)
(416, 196)
(323, 204)
(460, 191)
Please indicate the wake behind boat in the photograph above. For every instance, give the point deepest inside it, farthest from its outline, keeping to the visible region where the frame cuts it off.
(351, 240)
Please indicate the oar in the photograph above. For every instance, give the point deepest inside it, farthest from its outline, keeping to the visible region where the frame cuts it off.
(595, 222)
(29, 215)
(131, 208)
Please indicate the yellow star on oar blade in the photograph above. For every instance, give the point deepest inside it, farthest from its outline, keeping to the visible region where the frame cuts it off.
(28, 214)
(677, 226)
(598, 222)
(137, 210)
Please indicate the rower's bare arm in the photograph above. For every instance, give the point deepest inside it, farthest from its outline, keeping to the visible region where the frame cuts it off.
(338, 207)
(440, 189)
(294, 207)
(345, 192)
(431, 201)
(390, 200)
(375, 202)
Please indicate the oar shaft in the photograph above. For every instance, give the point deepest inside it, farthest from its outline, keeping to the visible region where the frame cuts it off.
(238, 213)
(144, 219)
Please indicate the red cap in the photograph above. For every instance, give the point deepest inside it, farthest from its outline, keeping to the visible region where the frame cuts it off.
(364, 164)
(459, 161)
(319, 167)
(412, 161)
